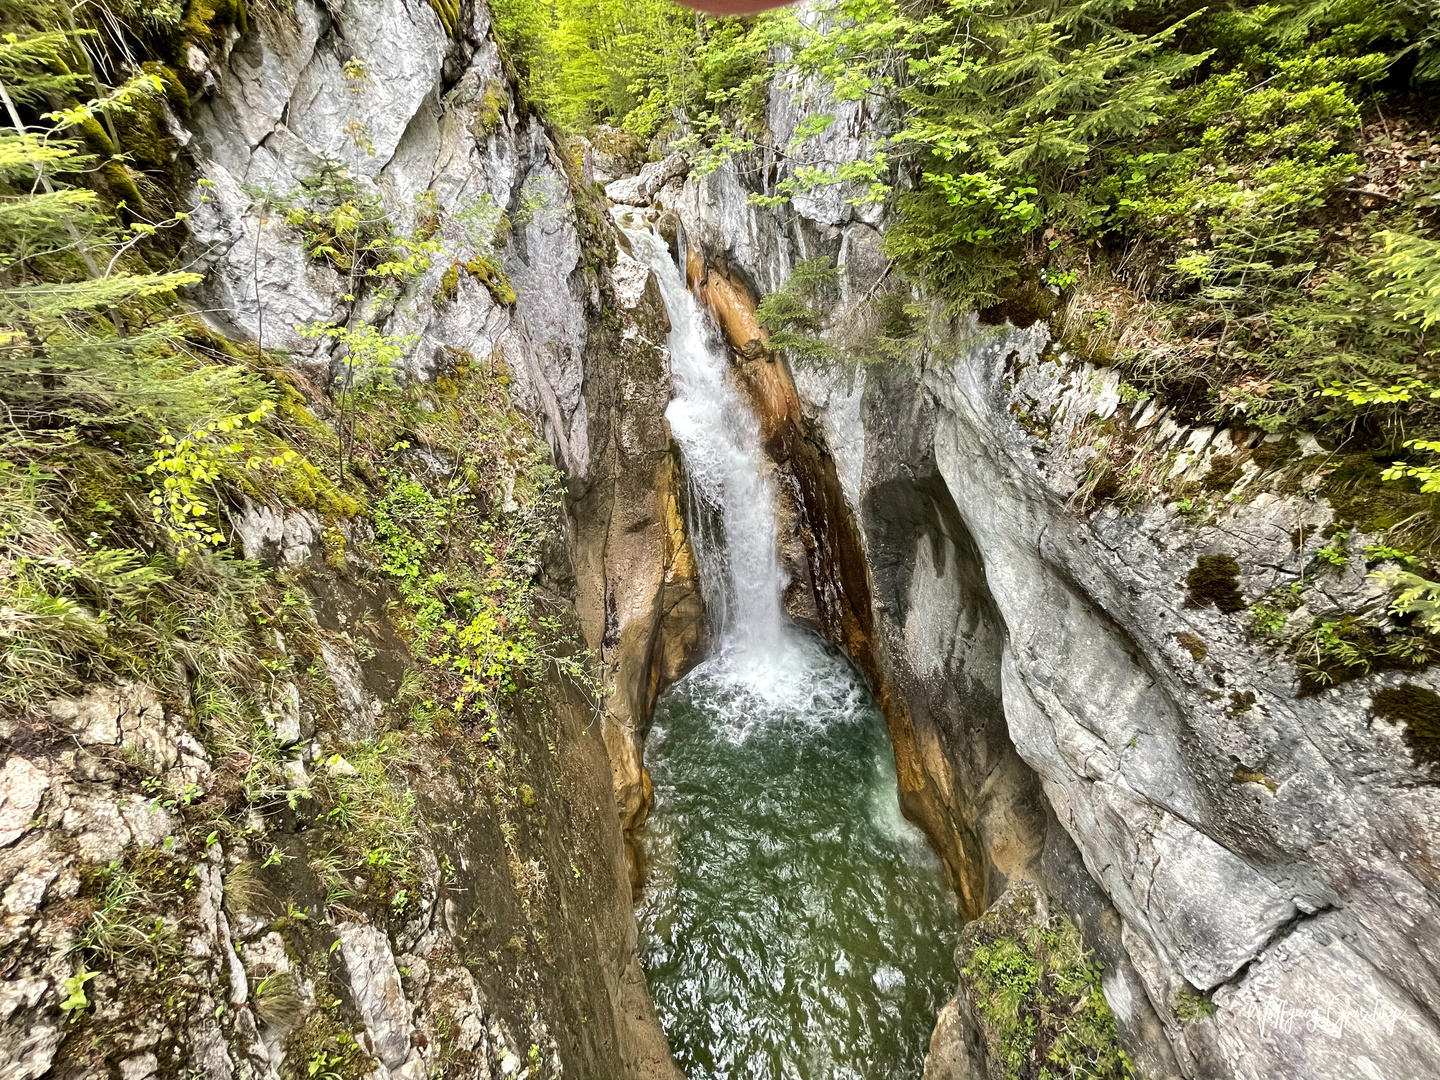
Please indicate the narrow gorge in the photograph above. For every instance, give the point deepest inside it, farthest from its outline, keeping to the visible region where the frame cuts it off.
(526, 552)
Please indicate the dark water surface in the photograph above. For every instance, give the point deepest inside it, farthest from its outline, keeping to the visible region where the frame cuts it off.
(796, 926)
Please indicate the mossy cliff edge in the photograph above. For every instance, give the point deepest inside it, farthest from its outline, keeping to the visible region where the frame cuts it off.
(329, 639)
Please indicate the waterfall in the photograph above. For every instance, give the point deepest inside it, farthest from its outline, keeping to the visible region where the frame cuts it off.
(795, 924)
(732, 504)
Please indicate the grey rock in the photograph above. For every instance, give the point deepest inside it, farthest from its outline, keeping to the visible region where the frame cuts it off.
(30, 1041)
(375, 981)
(287, 716)
(139, 1067)
(22, 786)
(641, 189)
(355, 700)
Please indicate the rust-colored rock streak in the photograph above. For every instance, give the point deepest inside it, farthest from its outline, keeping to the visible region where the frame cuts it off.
(639, 595)
(839, 580)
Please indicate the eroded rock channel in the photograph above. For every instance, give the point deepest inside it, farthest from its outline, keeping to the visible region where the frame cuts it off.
(795, 924)
(982, 690)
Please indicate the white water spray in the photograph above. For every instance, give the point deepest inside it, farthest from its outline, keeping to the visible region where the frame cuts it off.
(733, 506)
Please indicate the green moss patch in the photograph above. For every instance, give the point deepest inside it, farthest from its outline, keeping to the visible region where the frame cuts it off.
(1215, 579)
(1192, 644)
(1417, 710)
(1224, 472)
(1360, 497)
(489, 273)
(1252, 776)
(1037, 994)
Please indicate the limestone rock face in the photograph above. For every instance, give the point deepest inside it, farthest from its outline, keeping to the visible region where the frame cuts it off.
(1066, 713)
(640, 598)
(378, 87)
(235, 941)
(514, 951)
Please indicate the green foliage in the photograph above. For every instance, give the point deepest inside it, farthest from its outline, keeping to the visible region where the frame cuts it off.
(127, 922)
(640, 65)
(1042, 1011)
(1191, 1007)
(199, 458)
(1337, 650)
(323, 1049)
(347, 227)
(1010, 120)
(464, 556)
(1266, 619)
(73, 988)
(127, 430)
(795, 315)
(1416, 597)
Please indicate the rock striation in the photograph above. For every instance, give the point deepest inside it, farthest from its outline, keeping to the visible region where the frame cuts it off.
(1069, 709)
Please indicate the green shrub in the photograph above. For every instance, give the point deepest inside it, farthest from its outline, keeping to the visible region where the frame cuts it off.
(1037, 993)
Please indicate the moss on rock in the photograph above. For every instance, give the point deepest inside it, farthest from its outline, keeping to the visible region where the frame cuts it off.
(1036, 995)
(1192, 644)
(1417, 710)
(1215, 579)
(489, 273)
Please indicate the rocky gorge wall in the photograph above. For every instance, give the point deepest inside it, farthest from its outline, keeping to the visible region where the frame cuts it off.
(165, 913)
(1251, 858)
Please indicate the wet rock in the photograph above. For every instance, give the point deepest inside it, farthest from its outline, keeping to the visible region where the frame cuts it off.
(949, 1057)
(640, 603)
(640, 189)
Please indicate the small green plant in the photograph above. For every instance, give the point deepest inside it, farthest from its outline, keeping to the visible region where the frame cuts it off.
(797, 315)
(355, 73)
(1417, 597)
(1377, 553)
(188, 467)
(1334, 645)
(277, 998)
(128, 923)
(1267, 620)
(535, 197)
(1133, 395)
(76, 1001)
(1191, 1007)
(1042, 1012)
(370, 359)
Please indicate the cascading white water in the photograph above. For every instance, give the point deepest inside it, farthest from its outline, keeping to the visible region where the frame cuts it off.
(733, 525)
